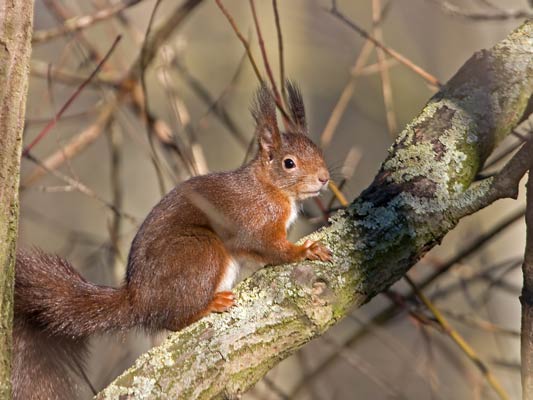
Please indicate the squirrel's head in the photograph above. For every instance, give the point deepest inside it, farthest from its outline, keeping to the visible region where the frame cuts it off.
(290, 160)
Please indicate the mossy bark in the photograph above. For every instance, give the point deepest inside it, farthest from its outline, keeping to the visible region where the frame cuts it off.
(16, 21)
(421, 191)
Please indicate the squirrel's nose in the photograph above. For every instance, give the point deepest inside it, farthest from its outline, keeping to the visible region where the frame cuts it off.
(323, 177)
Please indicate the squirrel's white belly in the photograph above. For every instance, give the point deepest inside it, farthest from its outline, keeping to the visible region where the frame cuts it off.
(230, 276)
(292, 215)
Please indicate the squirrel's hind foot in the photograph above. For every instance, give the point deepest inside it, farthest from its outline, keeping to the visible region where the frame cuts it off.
(222, 302)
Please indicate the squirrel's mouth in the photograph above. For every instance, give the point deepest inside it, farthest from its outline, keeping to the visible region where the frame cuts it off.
(309, 193)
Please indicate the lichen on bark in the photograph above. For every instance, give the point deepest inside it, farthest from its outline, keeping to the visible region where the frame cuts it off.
(421, 191)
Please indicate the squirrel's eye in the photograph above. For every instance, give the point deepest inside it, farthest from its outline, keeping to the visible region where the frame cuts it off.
(288, 163)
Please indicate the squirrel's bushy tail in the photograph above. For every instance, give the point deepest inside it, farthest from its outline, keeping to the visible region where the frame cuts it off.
(53, 296)
(55, 311)
(44, 366)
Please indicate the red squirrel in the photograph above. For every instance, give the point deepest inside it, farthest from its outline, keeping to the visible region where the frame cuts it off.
(183, 260)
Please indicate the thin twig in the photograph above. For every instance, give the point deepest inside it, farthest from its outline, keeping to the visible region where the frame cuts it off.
(505, 183)
(509, 150)
(384, 71)
(476, 245)
(372, 69)
(75, 145)
(389, 340)
(70, 100)
(81, 371)
(361, 365)
(163, 134)
(81, 22)
(268, 70)
(241, 38)
(161, 130)
(486, 274)
(502, 15)
(340, 107)
(144, 60)
(67, 77)
(149, 51)
(391, 52)
(459, 340)
(78, 38)
(215, 104)
(182, 117)
(476, 322)
(498, 282)
(348, 169)
(81, 188)
(77, 115)
(115, 149)
(338, 194)
(280, 51)
(275, 388)
(128, 89)
(49, 87)
(161, 34)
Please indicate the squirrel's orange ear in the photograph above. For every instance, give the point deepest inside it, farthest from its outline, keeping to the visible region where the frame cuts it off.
(296, 107)
(264, 113)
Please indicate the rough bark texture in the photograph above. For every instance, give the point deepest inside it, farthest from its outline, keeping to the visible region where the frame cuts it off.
(16, 17)
(421, 191)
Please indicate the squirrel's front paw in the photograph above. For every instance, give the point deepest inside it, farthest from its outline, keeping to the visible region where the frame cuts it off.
(317, 251)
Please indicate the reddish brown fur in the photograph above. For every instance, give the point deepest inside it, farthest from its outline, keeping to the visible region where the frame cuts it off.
(178, 257)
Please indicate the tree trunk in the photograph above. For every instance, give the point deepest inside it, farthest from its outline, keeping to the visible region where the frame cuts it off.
(526, 340)
(16, 20)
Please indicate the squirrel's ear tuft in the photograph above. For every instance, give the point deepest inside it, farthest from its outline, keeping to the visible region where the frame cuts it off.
(264, 113)
(296, 107)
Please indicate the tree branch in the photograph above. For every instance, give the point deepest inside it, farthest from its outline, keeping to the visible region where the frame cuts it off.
(16, 19)
(422, 190)
(82, 22)
(526, 299)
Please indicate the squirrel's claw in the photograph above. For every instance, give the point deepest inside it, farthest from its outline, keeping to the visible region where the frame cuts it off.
(222, 301)
(317, 251)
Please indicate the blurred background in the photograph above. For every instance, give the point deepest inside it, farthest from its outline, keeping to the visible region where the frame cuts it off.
(199, 84)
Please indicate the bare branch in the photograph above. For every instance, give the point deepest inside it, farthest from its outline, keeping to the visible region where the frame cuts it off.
(526, 299)
(128, 88)
(70, 100)
(499, 15)
(280, 49)
(82, 22)
(386, 84)
(241, 37)
(461, 342)
(391, 52)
